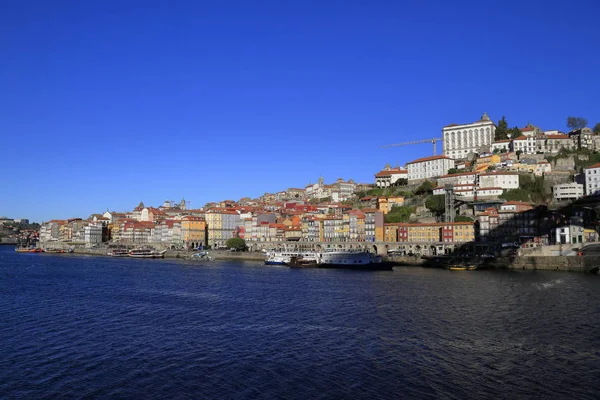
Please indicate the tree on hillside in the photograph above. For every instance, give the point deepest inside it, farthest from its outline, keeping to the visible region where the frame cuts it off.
(515, 195)
(436, 204)
(515, 132)
(462, 218)
(425, 188)
(501, 130)
(597, 128)
(453, 171)
(399, 214)
(236, 243)
(575, 123)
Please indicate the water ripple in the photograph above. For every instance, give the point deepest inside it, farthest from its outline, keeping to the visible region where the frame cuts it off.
(83, 327)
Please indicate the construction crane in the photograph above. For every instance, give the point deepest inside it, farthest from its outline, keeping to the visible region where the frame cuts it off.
(432, 141)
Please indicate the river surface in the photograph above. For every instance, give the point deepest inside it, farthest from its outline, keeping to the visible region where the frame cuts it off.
(76, 326)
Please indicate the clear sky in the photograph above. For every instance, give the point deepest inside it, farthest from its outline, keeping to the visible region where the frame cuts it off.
(108, 103)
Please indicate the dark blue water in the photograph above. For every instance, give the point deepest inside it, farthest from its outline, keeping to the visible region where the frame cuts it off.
(82, 327)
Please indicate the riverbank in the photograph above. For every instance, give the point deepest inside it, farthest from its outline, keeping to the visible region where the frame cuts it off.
(528, 263)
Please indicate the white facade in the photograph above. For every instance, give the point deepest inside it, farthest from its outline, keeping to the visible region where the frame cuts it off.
(460, 140)
(502, 146)
(390, 176)
(567, 191)
(525, 144)
(504, 180)
(457, 179)
(592, 180)
(429, 167)
(92, 235)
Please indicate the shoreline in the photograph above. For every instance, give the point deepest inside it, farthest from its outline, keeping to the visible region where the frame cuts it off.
(525, 263)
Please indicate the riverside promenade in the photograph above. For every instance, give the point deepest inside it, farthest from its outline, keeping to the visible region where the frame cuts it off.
(536, 262)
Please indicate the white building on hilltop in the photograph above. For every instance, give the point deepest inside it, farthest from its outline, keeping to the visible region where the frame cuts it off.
(428, 167)
(460, 140)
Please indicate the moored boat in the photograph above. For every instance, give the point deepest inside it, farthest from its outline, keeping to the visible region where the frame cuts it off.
(285, 257)
(119, 253)
(146, 253)
(352, 260)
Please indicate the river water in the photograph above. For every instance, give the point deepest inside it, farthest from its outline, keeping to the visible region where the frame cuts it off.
(94, 327)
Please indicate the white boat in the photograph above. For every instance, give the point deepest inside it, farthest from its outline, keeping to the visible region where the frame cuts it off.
(285, 257)
(351, 259)
(146, 253)
(119, 253)
(203, 255)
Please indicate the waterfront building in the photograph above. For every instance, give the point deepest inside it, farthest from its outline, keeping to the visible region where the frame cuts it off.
(169, 233)
(518, 220)
(193, 230)
(436, 232)
(356, 226)
(390, 176)
(312, 229)
(50, 231)
(332, 229)
(293, 233)
(460, 140)
(92, 235)
(137, 232)
(567, 191)
(222, 224)
(592, 180)
(569, 233)
(428, 167)
(488, 225)
(374, 224)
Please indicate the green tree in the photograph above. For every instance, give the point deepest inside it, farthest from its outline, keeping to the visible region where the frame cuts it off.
(436, 204)
(575, 123)
(399, 214)
(425, 188)
(515, 195)
(236, 243)
(462, 218)
(515, 132)
(401, 182)
(453, 171)
(597, 128)
(519, 152)
(501, 130)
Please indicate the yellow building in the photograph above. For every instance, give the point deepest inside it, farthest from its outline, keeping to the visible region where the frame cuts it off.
(193, 231)
(463, 231)
(385, 204)
(424, 232)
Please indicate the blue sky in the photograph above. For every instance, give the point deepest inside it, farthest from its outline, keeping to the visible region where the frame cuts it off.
(106, 104)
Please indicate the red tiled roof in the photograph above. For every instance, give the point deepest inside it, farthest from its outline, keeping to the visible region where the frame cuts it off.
(431, 158)
(594, 166)
(557, 136)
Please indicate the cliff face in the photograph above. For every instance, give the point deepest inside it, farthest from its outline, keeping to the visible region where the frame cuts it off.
(564, 164)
